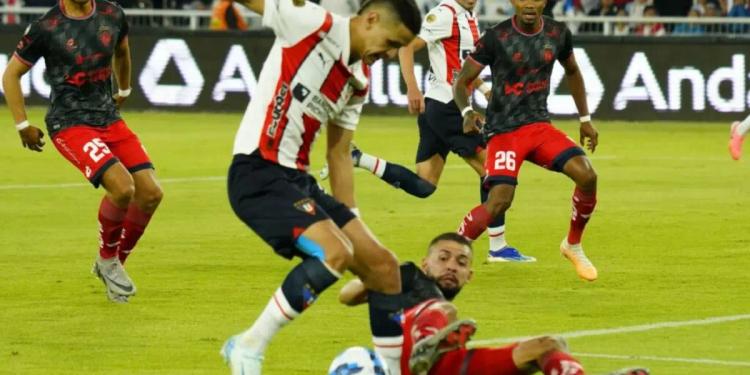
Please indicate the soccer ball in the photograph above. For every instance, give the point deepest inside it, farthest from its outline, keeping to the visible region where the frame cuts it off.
(360, 361)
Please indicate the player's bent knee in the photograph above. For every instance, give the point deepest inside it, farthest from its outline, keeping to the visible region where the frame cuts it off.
(384, 270)
(424, 189)
(122, 193)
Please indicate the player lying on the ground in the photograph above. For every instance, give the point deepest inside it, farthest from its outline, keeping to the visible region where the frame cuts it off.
(737, 134)
(316, 74)
(435, 339)
(521, 52)
(449, 31)
(85, 125)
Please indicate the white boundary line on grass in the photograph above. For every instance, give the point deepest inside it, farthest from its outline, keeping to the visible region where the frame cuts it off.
(625, 329)
(704, 361)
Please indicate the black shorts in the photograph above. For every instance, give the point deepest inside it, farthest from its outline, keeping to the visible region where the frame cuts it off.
(441, 131)
(280, 203)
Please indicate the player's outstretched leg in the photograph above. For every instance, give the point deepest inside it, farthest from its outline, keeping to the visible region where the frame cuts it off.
(148, 195)
(437, 330)
(579, 169)
(500, 250)
(396, 175)
(112, 211)
(549, 354)
(378, 269)
(737, 136)
(328, 256)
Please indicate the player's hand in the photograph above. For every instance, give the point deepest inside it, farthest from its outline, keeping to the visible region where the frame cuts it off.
(32, 138)
(589, 131)
(473, 122)
(119, 100)
(416, 101)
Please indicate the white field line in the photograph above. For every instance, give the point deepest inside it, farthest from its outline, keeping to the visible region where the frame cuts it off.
(455, 165)
(703, 361)
(620, 330)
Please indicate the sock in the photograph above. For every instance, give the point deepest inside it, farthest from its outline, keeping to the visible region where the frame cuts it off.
(385, 325)
(396, 175)
(744, 126)
(558, 363)
(474, 223)
(429, 322)
(133, 227)
(496, 229)
(110, 227)
(299, 290)
(583, 206)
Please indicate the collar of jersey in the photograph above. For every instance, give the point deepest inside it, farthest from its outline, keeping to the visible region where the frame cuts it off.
(515, 26)
(93, 10)
(458, 8)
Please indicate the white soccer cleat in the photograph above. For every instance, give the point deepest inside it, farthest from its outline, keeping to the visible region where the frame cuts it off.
(241, 360)
(575, 255)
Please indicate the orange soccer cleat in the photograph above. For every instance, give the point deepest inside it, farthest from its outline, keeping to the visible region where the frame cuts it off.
(575, 255)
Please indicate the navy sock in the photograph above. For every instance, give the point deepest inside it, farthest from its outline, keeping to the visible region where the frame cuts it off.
(407, 180)
(484, 192)
(385, 314)
(305, 282)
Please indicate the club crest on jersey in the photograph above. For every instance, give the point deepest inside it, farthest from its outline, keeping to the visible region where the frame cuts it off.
(105, 36)
(548, 54)
(306, 205)
(278, 109)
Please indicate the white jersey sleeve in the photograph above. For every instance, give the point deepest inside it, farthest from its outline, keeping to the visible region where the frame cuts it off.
(437, 25)
(291, 23)
(348, 118)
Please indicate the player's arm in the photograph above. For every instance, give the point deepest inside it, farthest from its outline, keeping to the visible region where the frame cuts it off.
(473, 120)
(578, 90)
(122, 67)
(353, 293)
(31, 136)
(256, 6)
(340, 164)
(406, 58)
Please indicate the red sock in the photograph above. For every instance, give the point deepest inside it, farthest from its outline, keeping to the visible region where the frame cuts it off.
(475, 222)
(110, 227)
(561, 363)
(428, 323)
(583, 206)
(135, 224)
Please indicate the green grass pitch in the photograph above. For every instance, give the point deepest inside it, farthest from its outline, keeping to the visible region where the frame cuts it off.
(670, 236)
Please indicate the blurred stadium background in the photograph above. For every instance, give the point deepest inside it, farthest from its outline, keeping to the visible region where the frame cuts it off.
(670, 235)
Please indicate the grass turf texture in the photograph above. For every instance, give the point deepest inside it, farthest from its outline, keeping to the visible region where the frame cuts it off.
(669, 236)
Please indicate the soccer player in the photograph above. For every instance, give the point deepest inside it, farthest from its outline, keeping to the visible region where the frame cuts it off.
(316, 74)
(449, 31)
(521, 52)
(737, 135)
(82, 42)
(435, 338)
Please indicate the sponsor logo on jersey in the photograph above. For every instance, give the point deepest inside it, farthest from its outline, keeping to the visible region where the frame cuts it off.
(300, 92)
(431, 18)
(306, 205)
(278, 109)
(519, 88)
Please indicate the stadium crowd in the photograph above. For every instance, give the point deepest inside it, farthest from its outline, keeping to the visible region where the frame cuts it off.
(227, 15)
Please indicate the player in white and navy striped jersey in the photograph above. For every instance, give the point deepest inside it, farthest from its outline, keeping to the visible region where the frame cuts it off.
(316, 75)
(449, 32)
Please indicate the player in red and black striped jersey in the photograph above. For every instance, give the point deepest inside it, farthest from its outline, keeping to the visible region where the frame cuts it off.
(521, 52)
(82, 42)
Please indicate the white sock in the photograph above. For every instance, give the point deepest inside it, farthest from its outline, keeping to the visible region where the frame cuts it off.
(497, 237)
(390, 349)
(744, 126)
(372, 164)
(276, 315)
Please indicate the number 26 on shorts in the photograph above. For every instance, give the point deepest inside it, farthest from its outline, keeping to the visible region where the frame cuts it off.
(505, 160)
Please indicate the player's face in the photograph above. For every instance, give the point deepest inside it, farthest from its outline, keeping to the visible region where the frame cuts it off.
(529, 11)
(382, 36)
(467, 4)
(449, 264)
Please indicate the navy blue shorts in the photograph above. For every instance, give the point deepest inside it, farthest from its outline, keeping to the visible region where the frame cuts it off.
(441, 131)
(280, 203)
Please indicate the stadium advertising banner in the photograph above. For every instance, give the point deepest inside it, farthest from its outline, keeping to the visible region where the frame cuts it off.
(631, 79)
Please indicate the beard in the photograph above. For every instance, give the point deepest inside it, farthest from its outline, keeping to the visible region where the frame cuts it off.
(449, 293)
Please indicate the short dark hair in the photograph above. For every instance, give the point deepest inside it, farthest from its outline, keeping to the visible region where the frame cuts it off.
(407, 11)
(451, 236)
